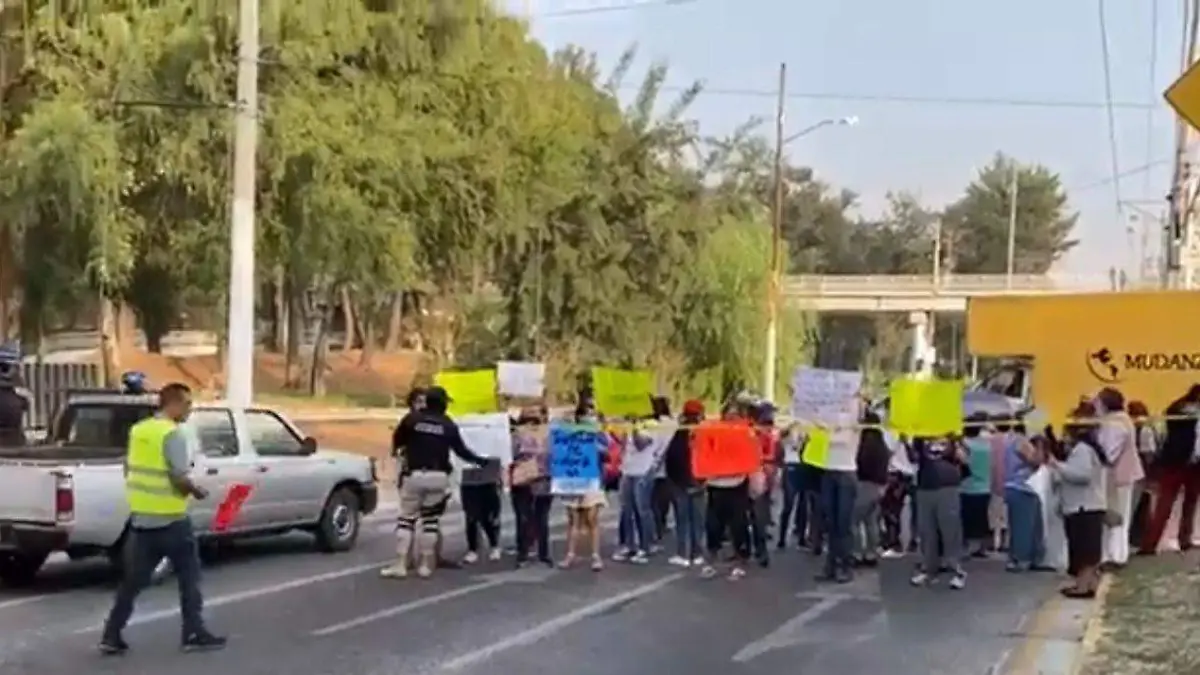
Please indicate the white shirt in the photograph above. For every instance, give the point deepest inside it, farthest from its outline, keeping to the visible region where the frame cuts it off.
(843, 451)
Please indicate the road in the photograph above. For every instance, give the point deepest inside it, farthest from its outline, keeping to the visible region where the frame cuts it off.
(287, 609)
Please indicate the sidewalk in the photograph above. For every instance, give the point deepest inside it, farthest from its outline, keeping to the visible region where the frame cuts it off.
(1056, 636)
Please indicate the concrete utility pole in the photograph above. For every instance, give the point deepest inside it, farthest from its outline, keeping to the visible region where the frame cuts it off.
(770, 353)
(1012, 227)
(1181, 240)
(239, 369)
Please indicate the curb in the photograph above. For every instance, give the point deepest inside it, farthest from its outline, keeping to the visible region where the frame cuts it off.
(1057, 636)
(1094, 628)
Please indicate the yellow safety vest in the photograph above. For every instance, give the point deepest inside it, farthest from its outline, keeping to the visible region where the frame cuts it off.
(148, 485)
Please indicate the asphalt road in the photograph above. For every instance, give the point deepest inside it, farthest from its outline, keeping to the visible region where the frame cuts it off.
(287, 609)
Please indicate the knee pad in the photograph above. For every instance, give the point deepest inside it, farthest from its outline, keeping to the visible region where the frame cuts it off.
(406, 523)
(431, 525)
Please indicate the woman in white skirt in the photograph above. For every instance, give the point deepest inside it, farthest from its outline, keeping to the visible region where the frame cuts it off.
(1117, 437)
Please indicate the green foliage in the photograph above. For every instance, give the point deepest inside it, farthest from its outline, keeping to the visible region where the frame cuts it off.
(435, 147)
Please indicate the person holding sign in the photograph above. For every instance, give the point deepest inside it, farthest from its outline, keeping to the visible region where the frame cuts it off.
(725, 453)
(529, 480)
(428, 437)
(582, 445)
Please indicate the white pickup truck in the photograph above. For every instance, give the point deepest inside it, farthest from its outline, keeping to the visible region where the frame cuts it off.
(67, 494)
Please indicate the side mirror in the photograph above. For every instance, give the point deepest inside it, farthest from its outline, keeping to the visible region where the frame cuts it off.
(309, 445)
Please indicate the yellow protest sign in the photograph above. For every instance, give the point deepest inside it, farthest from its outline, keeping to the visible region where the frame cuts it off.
(471, 391)
(926, 407)
(623, 393)
(816, 450)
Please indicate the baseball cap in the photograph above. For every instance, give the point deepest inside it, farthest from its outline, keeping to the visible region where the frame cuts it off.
(437, 394)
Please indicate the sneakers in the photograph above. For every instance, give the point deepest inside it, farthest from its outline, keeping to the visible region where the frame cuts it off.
(708, 572)
(639, 558)
(424, 571)
(892, 554)
(597, 563)
(622, 555)
(203, 642)
(470, 558)
(736, 573)
(679, 561)
(495, 554)
(112, 646)
(397, 571)
(959, 580)
(699, 561)
(920, 579)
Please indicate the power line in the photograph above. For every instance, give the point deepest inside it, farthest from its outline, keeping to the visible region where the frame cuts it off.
(1153, 93)
(1106, 60)
(1103, 182)
(627, 7)
(984, 101)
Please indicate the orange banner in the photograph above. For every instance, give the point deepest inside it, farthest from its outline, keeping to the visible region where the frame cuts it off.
(721, 449)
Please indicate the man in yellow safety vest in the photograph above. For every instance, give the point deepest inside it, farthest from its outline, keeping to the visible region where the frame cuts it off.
(158, 487)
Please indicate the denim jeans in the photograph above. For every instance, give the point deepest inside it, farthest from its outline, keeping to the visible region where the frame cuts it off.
(794, 502)
(1024, 526)
(689, 521)
(144, 549)
(838, 490)
(637, 513)
(760, 521)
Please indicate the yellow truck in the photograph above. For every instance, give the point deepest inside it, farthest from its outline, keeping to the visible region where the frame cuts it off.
(1145, 344)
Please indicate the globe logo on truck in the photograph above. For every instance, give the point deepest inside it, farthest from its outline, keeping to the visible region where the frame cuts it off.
(1103, 366)
(1110, 367)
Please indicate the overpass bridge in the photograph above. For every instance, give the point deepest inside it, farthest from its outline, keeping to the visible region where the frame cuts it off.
(868, 293)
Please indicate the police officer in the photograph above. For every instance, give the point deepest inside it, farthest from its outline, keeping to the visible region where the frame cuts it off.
(157, 487)
(13, 406)
(427, 437)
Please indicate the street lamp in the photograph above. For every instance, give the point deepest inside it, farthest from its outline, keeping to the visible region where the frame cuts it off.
(774, 288)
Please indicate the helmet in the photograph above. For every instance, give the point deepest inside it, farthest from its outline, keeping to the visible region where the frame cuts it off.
(133, 382)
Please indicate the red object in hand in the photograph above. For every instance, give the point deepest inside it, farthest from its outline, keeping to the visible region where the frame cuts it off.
(231, 506)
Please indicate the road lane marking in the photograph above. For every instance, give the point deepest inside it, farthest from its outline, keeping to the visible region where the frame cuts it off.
(407, 607)
(282, 587)
(786, 634)
(26, 600)
(552, 626)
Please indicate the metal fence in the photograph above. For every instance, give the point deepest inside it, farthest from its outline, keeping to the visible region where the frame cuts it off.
(49, 385)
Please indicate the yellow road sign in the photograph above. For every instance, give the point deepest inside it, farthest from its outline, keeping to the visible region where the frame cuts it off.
(1184, 96)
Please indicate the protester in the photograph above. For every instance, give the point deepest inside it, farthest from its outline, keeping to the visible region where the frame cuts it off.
(529, 488)
(874, 458)
(426, 437)
(583, 511)
(839, 483)
(1024, 508)
(899, 487)
(1117, 437)
(1147, 447)
(639, 461)
(812, 470)
(977, 487)
(13, 406)
(480, 494)
(794, 501)
(687, 492)
(728, 504)
(661, 497)
(1080, 476)
(1178, 469)
(941, 466)
(762, 416)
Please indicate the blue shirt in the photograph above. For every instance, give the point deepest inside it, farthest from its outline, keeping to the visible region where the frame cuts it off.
(1016, 470)
(979, 460)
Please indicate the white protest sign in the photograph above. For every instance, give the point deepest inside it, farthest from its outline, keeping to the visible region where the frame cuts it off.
(829, 398)
(519, 378)
(487, 435)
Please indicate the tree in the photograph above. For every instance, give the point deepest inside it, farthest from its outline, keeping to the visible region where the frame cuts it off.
(976, 226)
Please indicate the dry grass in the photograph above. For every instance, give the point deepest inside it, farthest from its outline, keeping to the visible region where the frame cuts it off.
(1151, 620)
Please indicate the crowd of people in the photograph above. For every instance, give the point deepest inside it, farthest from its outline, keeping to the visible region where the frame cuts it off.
(1008, 486)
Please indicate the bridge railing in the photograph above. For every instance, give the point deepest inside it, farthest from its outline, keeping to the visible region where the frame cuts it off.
(952, 284)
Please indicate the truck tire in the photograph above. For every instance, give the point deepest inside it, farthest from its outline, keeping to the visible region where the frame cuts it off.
(20, 568)
(340, 522)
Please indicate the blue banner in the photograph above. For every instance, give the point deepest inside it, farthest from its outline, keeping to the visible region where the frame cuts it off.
(575, 458)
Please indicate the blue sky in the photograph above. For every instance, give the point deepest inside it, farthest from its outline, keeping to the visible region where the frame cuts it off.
(1018, 49)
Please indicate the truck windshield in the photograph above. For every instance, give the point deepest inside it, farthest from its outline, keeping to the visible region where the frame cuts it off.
(1007, 381)
(98, 425)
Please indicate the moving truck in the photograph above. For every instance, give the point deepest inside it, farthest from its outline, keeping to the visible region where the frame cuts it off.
(1145, 344)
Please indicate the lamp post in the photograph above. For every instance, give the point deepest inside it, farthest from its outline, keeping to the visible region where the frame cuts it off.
(774, 288)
